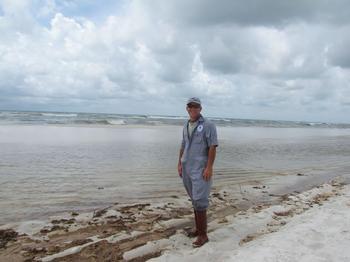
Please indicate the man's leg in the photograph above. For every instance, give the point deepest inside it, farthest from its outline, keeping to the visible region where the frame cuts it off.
(192, 232)
(201, 190)
(202, 237)
(186, 179)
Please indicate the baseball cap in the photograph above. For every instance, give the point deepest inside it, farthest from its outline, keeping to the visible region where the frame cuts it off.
(195, 100)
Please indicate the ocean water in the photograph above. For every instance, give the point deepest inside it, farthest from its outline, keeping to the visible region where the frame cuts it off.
(62, 118)
(60, 162)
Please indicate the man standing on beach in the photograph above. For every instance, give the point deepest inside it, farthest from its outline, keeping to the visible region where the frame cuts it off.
(195, 166)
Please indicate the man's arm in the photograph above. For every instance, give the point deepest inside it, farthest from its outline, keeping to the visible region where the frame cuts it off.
(208, 172)
(179, 165)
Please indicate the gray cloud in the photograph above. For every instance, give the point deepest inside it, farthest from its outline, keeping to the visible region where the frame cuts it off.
(338, 49)
(252, 12)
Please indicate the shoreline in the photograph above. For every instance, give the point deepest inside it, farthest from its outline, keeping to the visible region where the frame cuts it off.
(154, 125)
(120, 230)
(279, 182)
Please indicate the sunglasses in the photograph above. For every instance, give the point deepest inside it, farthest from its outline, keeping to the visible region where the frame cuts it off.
(193, 106)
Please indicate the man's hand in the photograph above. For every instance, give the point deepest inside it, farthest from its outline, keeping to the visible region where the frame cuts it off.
(179, 169)
(208, 173)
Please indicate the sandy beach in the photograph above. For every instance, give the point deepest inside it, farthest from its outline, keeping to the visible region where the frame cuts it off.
(262, 225)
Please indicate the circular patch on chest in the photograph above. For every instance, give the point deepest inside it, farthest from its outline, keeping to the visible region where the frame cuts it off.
(200, 128)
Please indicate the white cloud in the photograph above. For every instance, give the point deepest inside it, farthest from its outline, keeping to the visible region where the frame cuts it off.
(271, 60)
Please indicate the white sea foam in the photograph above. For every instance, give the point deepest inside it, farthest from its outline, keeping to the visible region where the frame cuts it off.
(117, 122)
(59, 114)
(167, 117)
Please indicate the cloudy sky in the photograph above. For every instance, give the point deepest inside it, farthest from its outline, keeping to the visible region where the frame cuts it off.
(260, 59)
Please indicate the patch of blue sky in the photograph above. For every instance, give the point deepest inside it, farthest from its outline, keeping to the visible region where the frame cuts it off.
(96, 11)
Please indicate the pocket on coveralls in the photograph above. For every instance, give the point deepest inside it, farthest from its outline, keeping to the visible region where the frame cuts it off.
(197, 139)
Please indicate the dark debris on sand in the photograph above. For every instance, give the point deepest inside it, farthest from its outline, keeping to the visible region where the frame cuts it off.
(7, 235)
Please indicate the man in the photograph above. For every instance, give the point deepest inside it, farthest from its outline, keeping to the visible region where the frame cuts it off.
(195, 166)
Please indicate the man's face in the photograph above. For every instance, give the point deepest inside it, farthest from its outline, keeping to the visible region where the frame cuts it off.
(194, 110)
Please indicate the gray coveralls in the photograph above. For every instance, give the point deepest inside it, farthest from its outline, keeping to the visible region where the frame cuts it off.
(194, 160)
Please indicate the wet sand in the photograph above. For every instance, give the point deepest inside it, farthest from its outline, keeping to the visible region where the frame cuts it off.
(120, 231)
